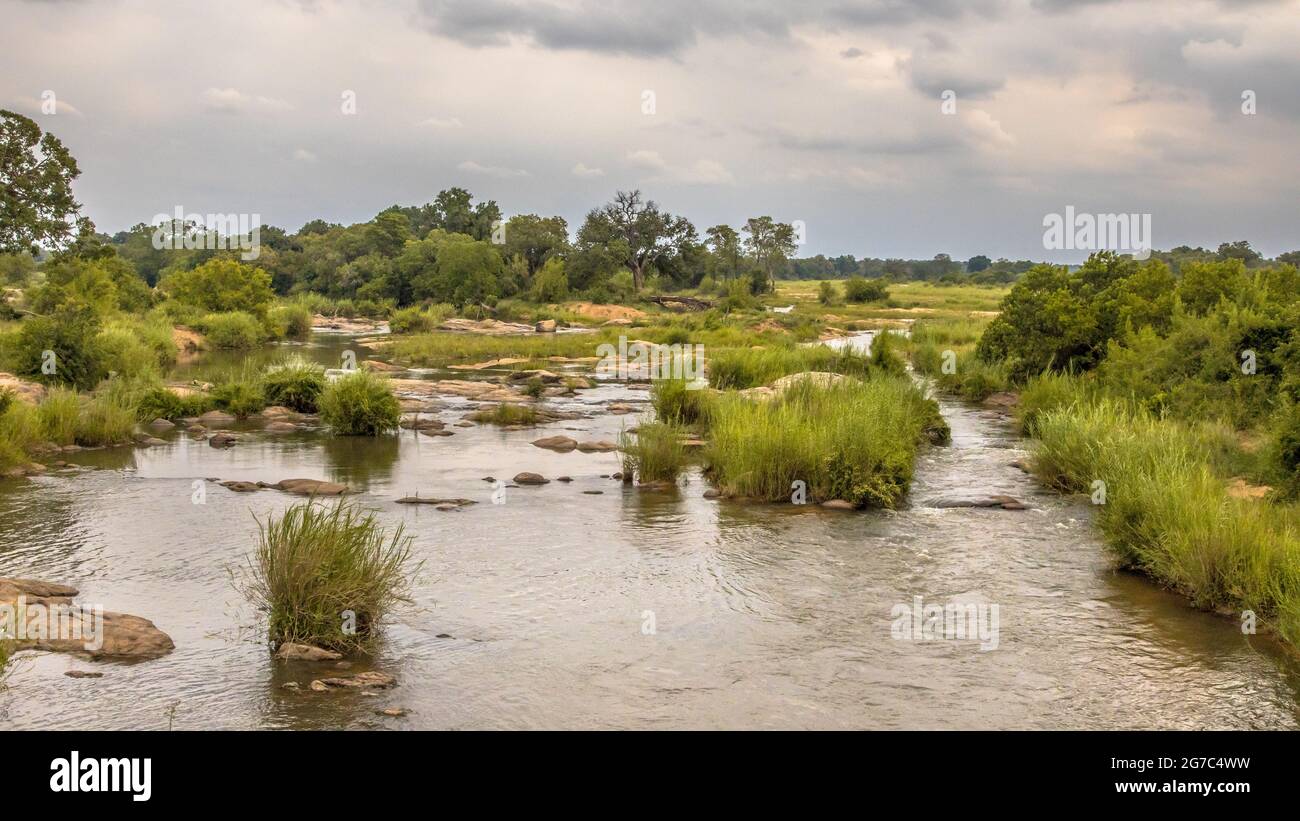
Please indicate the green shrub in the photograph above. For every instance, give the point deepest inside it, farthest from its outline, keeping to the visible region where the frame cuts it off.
(221, 286)
(295, 383)
(827, 293)
(655, 453)
(237, 330)
(360, 404)
(292, 321)
(319, 571)
(410, 320)
(71, 334)
(859, 289)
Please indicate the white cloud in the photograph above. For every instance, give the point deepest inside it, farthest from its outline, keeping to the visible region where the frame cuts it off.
(581, 170)
(699, 172)
(491, 170)
(303, 155)
(234, 101)
(442, 123)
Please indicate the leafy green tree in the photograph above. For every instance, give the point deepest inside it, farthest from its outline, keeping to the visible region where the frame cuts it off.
(106, 284)
(770, 243)
(551, 284)
(221, 285)
(535, 239)
(36, 174)
(977, 263)
(636, 232)
(1203, 284)
(16, 269)
(859, 289)
(724, 243)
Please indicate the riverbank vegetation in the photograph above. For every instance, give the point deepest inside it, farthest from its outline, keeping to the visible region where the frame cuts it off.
(327, 576)
(1169, 394)
(851, 440)
(360, 404)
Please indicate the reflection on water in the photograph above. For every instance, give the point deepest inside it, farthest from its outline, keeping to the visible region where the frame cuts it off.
(629, 608)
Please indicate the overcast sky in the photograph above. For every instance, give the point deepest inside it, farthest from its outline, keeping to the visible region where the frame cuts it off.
(825, 112)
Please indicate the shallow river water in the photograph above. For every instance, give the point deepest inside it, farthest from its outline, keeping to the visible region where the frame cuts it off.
(631, 608)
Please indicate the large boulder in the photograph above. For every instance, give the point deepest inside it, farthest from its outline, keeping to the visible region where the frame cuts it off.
(527, 478)
(55, 625)
(562, 444)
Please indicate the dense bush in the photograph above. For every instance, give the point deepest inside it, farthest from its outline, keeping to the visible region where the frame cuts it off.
(221, 286)
(237, 330)
(71, 334)
(360, 404)
(859, 289)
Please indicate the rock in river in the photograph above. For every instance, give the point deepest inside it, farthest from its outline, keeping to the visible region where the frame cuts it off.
(563, 444)
(55, 625)
(290, 651)
(526, 478)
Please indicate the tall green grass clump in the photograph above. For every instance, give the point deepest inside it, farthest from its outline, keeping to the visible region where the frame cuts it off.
(1047, 392)
(107, 419)
(852, 440)
(751, 368)
(655, 453)
(58, 414)
(1165, 512)
(360, 404)
(19, 430)
(315, 565)
(295, 383)
(676, 404)
(508, 413)
(159, 403)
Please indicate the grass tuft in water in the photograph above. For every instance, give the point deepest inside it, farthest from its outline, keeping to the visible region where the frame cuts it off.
(327, 576)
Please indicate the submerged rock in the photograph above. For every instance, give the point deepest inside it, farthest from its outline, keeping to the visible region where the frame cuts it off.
(377, 680)
(433, 500)
(602, 446)
(222, 439)
(308, 487)
(839, 504)
(1004, 502)
(290, 651)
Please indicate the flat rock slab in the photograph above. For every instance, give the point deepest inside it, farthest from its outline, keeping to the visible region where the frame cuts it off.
(369, 680)
(602, 446)
(49, 612)
(433, 500)
(308, 487)
(1004, 502)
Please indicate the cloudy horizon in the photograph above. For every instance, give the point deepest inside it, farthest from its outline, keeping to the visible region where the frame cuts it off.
(829, 113)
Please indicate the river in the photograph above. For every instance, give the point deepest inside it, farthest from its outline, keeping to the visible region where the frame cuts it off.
(627, 609)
